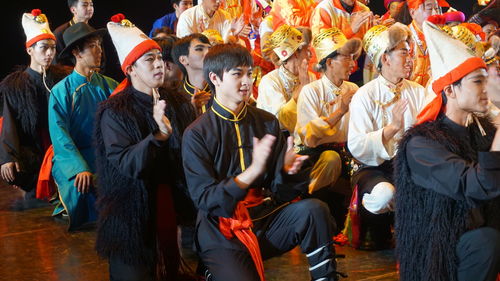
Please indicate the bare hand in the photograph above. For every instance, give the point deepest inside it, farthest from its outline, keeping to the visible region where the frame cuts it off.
(345, 100)
(388, 22)
(162, 120)
(83, 181)
(398, 114)
(303, 77)
(293, 162)
(261, 150)
(200, 98)
(237, 25)
(493, 85)
(358, 19)
(245, 31)
(8, 171)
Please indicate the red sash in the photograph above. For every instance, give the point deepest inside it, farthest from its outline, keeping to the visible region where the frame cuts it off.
(240, 225)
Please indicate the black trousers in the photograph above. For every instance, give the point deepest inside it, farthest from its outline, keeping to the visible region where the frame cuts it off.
(306, 223)
(379, 225)
(478, 253)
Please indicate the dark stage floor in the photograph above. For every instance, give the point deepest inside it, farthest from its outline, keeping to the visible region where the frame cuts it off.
(33, 246)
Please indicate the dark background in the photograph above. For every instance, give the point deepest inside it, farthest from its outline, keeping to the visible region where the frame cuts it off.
(142, 13)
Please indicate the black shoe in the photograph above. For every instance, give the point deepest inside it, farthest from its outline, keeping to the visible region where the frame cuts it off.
(62, 217)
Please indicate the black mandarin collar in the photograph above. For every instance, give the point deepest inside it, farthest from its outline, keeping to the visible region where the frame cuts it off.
(142, 97)
(226, 114)
(457, 130)
(37, 77)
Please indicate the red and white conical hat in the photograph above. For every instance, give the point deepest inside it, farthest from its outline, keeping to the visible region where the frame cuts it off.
(450, 60)
(130, 42)
(36, 27)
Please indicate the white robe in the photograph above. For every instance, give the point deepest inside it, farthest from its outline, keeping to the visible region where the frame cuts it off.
(275, 96)
(314, 106)
(366, 122)
(196, 20)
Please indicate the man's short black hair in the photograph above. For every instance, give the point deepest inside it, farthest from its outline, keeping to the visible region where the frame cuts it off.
(181, 48)
(166, 44)
(322, 63)
(163, 29)
(72, 3)
(175, 2)
(224, 57)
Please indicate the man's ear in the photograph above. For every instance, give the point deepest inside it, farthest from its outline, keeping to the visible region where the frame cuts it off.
(184, 60)
(175, 6)
(73, 10)
(412, 12)
(29, 50)
(384, 59)
(129, 70)
(76, 52)
(449, 92)
(214, 79)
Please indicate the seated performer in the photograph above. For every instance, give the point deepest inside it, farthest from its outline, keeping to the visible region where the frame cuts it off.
(234, 156)
(24, 137)
(72, 106)
(419, 11)
(209, 15)
(352, 17)
(385, 108)
(188, 54)
(323, 119)
(447, 173)
(170, 20)
(280, 88)
(137, 229)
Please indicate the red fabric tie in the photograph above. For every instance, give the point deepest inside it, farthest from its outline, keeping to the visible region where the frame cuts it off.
(240, 225)
(45, 186)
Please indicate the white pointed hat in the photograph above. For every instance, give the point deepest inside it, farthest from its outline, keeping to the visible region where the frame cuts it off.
(36, 27)
(450, 58)
(130, 42)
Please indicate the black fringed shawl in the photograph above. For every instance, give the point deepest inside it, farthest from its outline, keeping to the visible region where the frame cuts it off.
(428, 224)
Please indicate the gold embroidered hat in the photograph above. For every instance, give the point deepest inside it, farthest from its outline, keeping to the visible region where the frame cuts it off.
(380, 38)
(213, 36)
(36, 27)
(284, 42)
(466, 36)
(333, 40)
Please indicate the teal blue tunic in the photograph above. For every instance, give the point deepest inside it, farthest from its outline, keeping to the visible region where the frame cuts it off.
(72, 107)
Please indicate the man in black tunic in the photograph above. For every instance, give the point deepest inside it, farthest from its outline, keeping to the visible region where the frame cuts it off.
(188, 54)
(25, 93)
(136, 229)
(448, 172)
(243, 177)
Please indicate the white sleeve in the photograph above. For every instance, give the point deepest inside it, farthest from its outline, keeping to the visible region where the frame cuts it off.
(185, 25)
(270, 97)
(365, 141)
(311, 127)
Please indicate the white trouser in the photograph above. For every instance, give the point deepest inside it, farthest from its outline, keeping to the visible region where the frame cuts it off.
(380, 200)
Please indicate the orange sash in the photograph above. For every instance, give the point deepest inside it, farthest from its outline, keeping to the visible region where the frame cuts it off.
(240, 225)
(45, 186)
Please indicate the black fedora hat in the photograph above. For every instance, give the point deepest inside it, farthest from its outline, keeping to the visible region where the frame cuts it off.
(77, 32)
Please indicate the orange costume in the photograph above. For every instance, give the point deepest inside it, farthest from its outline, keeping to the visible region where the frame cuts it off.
(421, 66)
(294, 13)
(330, 13)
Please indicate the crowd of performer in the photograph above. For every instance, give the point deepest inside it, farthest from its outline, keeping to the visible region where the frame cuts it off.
(246, 128)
